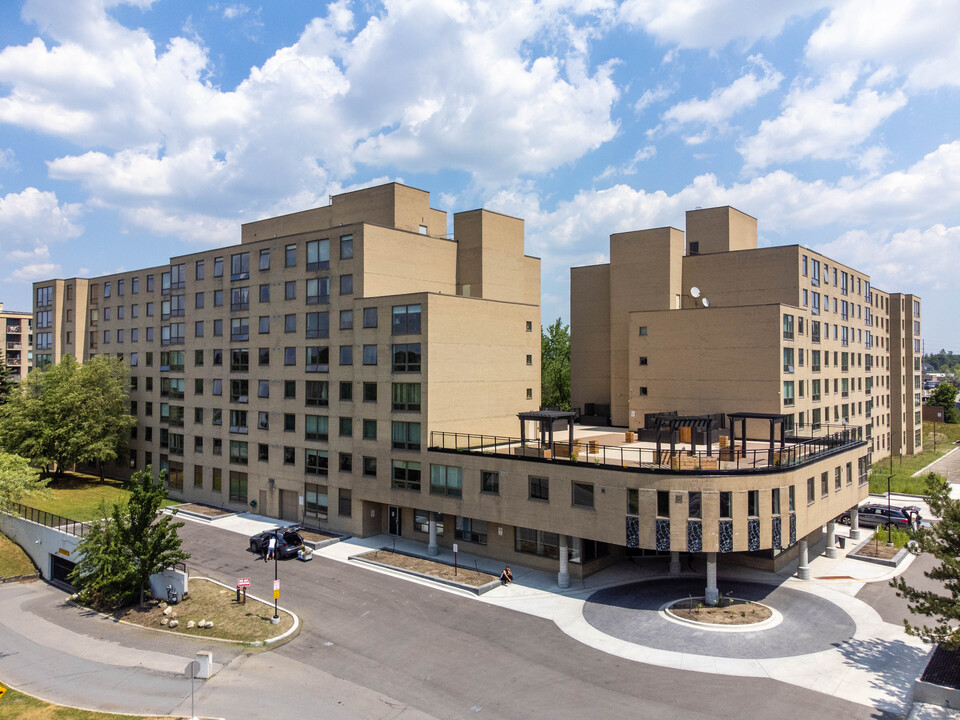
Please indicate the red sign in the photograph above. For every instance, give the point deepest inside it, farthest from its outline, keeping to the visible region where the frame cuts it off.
(243, 582)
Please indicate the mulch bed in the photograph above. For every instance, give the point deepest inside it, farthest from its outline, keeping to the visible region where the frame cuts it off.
(207, 510)
(879, 549)
(316, 535)
(737, 612)
(429, 567)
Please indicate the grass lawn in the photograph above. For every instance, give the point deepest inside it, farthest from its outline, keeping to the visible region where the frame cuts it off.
(903, 481)
(13, 560)
(17, 706)
(78, 497)
(244, 622)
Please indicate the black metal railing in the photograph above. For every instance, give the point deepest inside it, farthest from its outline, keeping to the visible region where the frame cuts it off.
(722, 460)
(50, 520)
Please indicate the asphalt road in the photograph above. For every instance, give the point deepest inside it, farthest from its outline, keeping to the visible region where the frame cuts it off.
(453, 657)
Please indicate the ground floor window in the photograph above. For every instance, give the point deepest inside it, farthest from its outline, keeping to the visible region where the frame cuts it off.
(421, 522)
(585, 551)
(346, 503)
(470, 530)
(316, 500)
(537, 542)
(238, 486)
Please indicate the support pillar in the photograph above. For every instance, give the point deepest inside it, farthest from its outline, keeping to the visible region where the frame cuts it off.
(563, 577)
(432, 548)
(712, 593)
(803, 570)
(855, 523)
(831, 551)
(674, 562)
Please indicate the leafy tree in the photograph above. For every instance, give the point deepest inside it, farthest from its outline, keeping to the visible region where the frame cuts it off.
(555, 366)
(7, 383)
(69, 413)
(121, 552)
(17, 479)
(943, 361)
(943, 542)
(945, 394)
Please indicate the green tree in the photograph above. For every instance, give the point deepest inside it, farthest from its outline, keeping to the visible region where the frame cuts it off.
(69, 413)
(943, 542)
(119, 553)
(555, 366)
(945, 395)
(7, 383)
(17, 479)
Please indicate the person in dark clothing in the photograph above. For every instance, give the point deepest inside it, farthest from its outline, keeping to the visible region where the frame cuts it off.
(506, 577)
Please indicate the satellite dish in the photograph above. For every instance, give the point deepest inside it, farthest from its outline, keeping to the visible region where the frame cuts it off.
(706, 303)
(695, 291)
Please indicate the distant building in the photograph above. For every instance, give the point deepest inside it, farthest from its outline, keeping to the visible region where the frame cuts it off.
(17, 347)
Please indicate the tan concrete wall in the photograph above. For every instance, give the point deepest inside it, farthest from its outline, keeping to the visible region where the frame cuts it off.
(491, 263)
(721, 229)
(757, 277)
(590, 343)
(395, 262)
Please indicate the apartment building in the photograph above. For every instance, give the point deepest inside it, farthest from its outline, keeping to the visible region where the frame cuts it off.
(351, 367)
(706, 321)
(17, 348)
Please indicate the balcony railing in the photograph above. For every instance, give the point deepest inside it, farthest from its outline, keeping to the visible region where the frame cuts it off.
(722, 460)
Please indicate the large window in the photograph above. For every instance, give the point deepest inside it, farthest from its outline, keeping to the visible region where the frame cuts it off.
(318, 325)
(490, 482)
(315, 499)
(406, 319)
(406, 357)
(317, 393)
(470, 530)
(238, 485)
(406, 435)
(316, 462)
(239, 329)
(406, 396)
(537, 542)
(539, 488)
(446, 480)
(240, 297)
(406, 475)
(421, 521)
(238, 452)
(317, 358)
(582, 495)
(317, 427)
(318, 291)
(318, 254)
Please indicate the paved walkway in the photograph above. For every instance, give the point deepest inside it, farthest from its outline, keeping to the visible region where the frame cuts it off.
(948, 466)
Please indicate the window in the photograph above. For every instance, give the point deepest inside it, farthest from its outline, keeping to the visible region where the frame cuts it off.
(318, 254)
(346, 284)
(694, 504)
(217, 268)
(633, 502)
(788, 393)
(238, 421)
(239, 329)
(289, 389)
(726, 504)
(837, 479)
(198, 474)
(529, 326)
(265, 259)
(406, 475)
(315, 461)
(317, 393)
(318, 291)
(369, 354)
(263, 388)
(370, 317)
(290, 290)
(264, 327)
(346, 247)
(238, 485)
(346, 462)
(239, 360)
(218, 328)
(318, 325)
(490, 482)
(370, 392)
(788, 359)
(346, 503)
(753, 503)
(289, 356)
(369, 429)
(643, 331)
(346, 354)
(406, 357)
(315, 499)
(421, 521)
(824, 484)
(238, 452)
(663, 503)
(346, 319)
(369, 466)
(539, 488)
(290, 256)
(263, 452)
(265, 293)
(582, 495)
(788, 327)
(317, 358)
(537, 542)
(406, 319)
(316, 427)
(217, 387)
(346, 391)
(289, 422)
(811, 492)
(406, 435)
(289, 455)
(264, 357)
(446, 480)
(470, 530)
(406, 396)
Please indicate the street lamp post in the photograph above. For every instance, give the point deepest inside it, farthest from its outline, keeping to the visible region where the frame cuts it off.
(889, 478)
(276, 579)
(934, 432)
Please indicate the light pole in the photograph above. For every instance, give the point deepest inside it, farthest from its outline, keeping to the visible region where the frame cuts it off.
(934, 431)
(276, 579)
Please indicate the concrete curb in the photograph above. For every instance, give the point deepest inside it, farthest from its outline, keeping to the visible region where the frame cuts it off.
(475, 589)
(324, 543)
(892, 562)
(19, 578)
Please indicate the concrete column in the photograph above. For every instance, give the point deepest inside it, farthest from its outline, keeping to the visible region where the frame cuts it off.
(855, 523)
(432, 548)
(831, 551)
(803, 570)
(712, 593)
(674, 563)
(563, 577)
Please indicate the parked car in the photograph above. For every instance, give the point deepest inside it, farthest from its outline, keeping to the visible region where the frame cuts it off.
(289, 541)
(874, 515)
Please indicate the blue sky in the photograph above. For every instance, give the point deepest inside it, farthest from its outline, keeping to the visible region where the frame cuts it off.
(132, 130)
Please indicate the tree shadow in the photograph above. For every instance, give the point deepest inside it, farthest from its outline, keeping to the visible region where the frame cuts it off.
(893, 664)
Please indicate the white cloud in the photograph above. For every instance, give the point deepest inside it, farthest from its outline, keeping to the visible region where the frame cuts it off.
(41, 252)
(725, 102)
(651, 96)
(230, 12)
(8, 159)
(630, 168)
(827, 120)
(918, 38)
(31, 218)
(31, 273)
(714, 23)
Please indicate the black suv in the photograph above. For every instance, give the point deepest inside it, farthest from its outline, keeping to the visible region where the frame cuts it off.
(289, 541)
(875, 515)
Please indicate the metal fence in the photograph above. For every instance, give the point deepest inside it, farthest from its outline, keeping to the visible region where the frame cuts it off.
(50, 520)
(724, 460)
